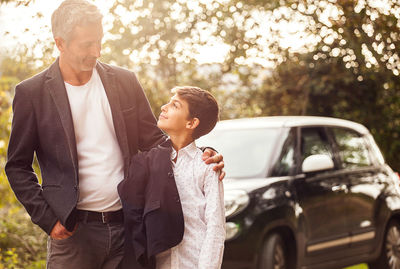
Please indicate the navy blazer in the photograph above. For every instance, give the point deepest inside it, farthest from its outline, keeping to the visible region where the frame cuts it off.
(152, 210)
(42, 124)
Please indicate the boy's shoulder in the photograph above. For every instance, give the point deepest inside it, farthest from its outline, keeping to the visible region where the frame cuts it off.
(201, 164)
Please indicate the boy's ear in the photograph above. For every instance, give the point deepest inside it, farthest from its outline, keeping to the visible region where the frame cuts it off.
(193, 123)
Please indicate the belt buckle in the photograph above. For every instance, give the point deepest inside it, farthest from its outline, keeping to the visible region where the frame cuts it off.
(103, 217)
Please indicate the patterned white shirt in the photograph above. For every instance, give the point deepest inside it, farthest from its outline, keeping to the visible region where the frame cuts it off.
(201, 196)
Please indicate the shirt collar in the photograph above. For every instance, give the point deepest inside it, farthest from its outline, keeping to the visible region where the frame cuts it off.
(190, 150)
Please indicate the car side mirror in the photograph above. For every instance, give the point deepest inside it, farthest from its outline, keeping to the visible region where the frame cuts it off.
(316, 163)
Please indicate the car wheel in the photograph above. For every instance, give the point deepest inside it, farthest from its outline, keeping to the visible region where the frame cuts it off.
(390, 255)
(273, 253)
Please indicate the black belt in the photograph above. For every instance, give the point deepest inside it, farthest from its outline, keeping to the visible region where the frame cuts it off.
(104, 217)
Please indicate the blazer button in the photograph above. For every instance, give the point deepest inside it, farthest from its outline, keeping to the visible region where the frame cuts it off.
(177, 200)
(170, 174)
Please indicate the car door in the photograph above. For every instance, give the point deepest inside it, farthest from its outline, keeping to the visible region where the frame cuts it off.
(366, 184)
(321, 203)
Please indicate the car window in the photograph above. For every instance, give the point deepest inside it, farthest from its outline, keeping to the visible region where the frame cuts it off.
(352, 148)
(286, 162)
(247, 152)
(314, 141)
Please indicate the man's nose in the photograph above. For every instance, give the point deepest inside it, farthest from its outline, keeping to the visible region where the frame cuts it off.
(96, 50)
(164, 108)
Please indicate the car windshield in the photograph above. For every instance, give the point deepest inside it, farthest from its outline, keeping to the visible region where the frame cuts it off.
(246, 152)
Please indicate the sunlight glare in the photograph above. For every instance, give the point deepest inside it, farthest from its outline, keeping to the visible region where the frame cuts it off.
(15, 20)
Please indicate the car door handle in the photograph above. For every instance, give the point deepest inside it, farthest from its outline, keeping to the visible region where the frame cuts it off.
(340, 188)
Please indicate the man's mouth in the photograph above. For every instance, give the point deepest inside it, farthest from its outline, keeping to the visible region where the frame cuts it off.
(90, 61)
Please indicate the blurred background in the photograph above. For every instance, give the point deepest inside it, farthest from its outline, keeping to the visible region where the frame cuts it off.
(336, 58)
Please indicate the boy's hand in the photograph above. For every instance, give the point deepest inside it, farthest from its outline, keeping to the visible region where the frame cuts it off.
(210, 156)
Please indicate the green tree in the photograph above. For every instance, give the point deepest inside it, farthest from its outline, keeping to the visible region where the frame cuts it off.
(22, 244)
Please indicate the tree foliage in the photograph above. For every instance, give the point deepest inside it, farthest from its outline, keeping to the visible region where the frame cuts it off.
(352, 72)
(18, 2)
(22, 244)
(347, 67)
(162, 40)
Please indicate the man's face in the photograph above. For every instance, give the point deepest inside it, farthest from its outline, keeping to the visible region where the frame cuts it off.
(174, 117)
(83, 48)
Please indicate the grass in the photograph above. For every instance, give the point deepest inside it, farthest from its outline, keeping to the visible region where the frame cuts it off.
(358, 266)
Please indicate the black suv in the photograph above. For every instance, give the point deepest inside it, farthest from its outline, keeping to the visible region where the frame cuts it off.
(306, 192)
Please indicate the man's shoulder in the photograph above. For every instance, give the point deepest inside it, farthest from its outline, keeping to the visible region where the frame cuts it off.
(33, 82)
(116, 69)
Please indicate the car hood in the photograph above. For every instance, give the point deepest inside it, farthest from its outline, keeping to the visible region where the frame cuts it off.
(250, 184)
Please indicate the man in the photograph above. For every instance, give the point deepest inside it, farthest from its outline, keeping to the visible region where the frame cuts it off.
(84, 120)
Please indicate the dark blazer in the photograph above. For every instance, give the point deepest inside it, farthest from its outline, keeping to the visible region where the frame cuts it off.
(42, 124)
(152, 210)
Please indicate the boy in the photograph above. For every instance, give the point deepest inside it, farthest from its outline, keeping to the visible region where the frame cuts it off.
(173, 201)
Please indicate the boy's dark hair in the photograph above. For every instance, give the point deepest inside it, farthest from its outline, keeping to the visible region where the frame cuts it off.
(202, 105)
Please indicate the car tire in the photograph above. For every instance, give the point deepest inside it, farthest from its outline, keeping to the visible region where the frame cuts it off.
(274, 253)
(390, 254)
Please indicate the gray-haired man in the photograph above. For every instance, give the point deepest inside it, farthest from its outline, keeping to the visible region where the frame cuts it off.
(84, 120)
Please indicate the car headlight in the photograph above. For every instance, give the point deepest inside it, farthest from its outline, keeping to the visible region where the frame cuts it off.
(235, 202)
(232, 229)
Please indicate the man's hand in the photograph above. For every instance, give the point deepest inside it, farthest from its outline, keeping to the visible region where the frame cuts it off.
(59, 232)
(210, 156)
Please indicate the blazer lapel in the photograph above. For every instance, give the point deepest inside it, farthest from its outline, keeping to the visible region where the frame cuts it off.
(55, 85)
(110, 85)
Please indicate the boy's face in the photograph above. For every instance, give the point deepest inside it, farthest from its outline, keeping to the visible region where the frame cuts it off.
(174, 117)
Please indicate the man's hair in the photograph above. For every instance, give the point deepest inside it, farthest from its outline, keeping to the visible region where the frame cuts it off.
(72, 13)
(202, 105)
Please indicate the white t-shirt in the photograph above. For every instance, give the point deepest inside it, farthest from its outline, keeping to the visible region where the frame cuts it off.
(99, 155)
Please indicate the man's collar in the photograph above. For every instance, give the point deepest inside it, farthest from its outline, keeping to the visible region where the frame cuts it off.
(55, 72)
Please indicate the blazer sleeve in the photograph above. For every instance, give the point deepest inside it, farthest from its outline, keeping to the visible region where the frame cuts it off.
(149, 135)
(132, 194)
(22, 145)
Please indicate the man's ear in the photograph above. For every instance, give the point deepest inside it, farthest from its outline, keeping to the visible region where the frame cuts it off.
(193, 123)
(60, 43)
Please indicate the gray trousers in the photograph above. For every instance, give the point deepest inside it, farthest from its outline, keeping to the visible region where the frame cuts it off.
(94, 245)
